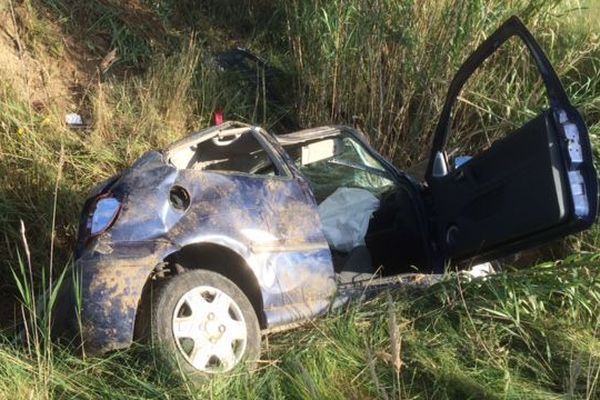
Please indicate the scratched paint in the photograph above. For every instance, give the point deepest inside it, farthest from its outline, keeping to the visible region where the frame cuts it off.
(270, 222)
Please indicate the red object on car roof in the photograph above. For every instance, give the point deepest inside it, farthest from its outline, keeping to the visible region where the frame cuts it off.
(218, 116)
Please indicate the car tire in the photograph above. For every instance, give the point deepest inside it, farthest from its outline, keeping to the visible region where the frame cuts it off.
(203, 324)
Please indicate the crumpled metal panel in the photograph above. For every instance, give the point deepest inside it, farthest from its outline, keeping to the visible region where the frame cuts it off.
(271, 222)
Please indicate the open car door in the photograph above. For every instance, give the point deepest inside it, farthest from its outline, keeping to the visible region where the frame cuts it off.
(536, 184)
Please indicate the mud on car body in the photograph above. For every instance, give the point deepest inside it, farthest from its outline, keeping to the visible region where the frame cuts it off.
(203, 245)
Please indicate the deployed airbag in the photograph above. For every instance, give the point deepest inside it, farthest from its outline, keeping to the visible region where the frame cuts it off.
(345, 217)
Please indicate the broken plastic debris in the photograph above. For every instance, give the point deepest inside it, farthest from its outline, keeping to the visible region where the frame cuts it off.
(73, 119)
(481, 270)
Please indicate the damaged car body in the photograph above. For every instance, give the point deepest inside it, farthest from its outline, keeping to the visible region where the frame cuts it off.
(232, 230)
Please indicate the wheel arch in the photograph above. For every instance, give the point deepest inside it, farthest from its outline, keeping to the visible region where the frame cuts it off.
(222, 260)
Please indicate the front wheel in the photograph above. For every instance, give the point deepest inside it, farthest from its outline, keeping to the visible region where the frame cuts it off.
(206, 322)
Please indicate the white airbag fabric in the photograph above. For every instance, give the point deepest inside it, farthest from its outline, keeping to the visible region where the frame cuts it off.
(345, 217)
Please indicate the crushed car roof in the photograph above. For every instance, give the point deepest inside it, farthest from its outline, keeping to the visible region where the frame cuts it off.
(285, 139)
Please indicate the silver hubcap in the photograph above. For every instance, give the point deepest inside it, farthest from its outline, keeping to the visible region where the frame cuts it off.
(209, 329)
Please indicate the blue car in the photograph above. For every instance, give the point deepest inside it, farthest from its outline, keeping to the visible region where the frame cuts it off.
(232, 231)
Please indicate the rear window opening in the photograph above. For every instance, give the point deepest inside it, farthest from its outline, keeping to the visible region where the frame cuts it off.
(234, 150)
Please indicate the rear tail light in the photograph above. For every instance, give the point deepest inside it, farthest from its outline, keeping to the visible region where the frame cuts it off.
(104, 214)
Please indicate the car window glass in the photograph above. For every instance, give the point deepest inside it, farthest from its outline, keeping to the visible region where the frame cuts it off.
(242, 153)
(351, 166)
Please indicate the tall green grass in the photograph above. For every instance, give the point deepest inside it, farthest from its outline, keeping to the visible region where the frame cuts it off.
(384, 65)
(526, 334)
(390, 62)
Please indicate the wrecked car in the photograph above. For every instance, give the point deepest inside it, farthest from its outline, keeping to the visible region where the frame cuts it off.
(232, 231)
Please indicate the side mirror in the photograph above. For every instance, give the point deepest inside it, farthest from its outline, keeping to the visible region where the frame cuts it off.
(440, 166)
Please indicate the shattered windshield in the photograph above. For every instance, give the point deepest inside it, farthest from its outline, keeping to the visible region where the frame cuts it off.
(350, 165)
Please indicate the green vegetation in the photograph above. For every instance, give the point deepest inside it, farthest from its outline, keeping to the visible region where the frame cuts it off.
(384, 64)
(527, 334)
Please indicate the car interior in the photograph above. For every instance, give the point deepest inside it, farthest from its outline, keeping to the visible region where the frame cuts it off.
(393, 241)
(380, 234)
(234, 150)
